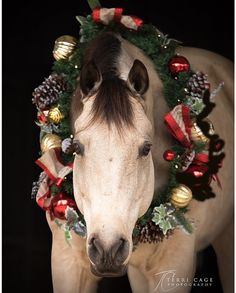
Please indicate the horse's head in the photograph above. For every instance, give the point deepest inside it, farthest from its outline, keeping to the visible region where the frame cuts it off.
(113, 168)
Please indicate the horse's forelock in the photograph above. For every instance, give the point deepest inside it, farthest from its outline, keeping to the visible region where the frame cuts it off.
(112, 103)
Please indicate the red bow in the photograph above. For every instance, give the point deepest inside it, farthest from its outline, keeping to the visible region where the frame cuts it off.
(179, 123)
(55, 171)
(52, 166)
(107, 15)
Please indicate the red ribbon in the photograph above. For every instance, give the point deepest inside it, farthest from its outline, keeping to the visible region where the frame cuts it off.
(138, 21)
(201, 159)
(118, 14)
(51, 164)
(179, 123)
(96, 15)
(105, 16)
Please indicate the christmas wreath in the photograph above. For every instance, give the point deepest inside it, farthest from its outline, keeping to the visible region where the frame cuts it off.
(194, 158)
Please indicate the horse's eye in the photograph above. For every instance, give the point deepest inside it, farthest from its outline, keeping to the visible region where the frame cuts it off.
(78, 148)
(145, 149)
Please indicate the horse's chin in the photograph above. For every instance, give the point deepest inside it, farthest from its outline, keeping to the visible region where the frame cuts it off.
(112, 272)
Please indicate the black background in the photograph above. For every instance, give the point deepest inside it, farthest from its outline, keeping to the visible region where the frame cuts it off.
(29, 31)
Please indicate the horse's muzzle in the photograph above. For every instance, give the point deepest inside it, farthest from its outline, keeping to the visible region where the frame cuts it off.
(108, 261)
(113, 272)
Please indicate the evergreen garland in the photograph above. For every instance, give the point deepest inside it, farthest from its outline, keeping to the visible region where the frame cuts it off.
(159, 48)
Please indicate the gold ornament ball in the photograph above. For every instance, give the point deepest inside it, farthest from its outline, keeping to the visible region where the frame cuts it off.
(64, 47)
(197, 135)
(55, 115)
(50, 141)
(181, 196)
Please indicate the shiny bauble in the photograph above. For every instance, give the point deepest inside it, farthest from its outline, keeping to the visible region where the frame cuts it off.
(42, 117)
(178, 64)
(64, 47)
(59, 205)
(169, 155)
(55, 115)
(50, 141)
(197, 134)
(181, 196)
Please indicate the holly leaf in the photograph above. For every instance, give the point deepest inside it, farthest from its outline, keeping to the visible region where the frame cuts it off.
(160, 210)
(157, 219)
(165, 225)
(196, 104)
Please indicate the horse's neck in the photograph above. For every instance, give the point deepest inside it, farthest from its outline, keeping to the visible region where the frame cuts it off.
(156, 108)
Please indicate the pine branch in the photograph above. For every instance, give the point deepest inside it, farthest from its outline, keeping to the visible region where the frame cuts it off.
(93, 4)
(182, 221)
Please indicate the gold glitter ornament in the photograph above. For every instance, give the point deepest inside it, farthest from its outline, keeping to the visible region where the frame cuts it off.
(55, 115)
(197, 135)
(50, 141)
(181, 196)
(64, 47)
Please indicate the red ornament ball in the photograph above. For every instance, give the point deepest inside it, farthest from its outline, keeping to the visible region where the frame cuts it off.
(41, 202)
(42, 118)
(44, 202)
(178, 64)
(59, 205)
(169, 155)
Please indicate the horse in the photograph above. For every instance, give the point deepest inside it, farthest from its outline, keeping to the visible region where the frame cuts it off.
(116, 117)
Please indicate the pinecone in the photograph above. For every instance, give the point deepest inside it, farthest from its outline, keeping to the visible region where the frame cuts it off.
(67, 146)
(197, 84)
(186, 159)
(48, 92)
(151, 233)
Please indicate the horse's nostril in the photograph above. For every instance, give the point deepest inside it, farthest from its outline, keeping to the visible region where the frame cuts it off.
(98, 246)
(96, 251)
(91, 240)
(117, 248)
(111, 256)
(119, 251)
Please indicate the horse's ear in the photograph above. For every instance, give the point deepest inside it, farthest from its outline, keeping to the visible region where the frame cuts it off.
(90, 78)
(138, 77)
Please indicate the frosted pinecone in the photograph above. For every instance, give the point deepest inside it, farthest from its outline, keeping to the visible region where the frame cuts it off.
(187, 158)
(198, 84)
(151, 233)
(67, 146)
(48, 92)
